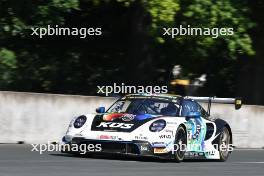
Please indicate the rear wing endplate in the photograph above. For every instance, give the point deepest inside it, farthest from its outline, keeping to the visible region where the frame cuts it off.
(236, 101)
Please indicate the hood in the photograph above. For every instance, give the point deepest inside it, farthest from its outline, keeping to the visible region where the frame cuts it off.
(120, 122)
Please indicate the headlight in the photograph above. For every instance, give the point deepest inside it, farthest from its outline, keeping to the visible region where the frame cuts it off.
(79, 122)
(157, 126)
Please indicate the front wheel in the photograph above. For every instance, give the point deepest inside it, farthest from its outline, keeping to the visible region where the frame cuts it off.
(180, 144)
(224, 144)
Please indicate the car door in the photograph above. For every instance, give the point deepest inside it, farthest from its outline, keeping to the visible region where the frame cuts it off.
(196, 128)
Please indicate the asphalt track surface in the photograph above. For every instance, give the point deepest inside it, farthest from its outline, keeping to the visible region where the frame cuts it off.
(19, 160)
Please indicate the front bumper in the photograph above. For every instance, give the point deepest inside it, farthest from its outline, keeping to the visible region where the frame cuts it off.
(135, 147)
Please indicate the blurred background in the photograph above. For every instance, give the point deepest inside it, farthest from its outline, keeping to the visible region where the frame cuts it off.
(132, 49)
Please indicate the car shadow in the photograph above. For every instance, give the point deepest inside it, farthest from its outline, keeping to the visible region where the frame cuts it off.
(119, 157)
(122, 157)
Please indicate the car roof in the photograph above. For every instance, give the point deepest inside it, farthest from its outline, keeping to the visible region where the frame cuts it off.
(158, 96)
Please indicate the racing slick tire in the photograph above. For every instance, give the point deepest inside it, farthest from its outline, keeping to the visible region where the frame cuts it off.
(224, 143)
(180, 144)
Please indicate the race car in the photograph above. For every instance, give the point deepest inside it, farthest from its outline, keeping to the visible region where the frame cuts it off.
(162, 125)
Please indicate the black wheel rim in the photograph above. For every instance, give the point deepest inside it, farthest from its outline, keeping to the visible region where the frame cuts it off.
(181, 143)
(225, 142)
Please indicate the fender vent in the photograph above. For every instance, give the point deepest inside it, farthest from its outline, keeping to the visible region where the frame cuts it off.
(209, 130)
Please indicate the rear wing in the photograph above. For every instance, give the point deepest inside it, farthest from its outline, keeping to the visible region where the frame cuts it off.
(236, 101)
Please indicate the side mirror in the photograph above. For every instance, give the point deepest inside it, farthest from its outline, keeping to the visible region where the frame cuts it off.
(193, 114)
(100, 110)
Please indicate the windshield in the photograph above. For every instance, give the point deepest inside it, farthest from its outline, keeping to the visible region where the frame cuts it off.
(145, 106)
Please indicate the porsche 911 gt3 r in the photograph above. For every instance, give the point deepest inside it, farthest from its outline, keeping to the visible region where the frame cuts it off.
(156, 125)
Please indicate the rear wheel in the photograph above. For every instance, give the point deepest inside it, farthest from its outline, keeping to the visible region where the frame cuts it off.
(180, 144)
(224, 144)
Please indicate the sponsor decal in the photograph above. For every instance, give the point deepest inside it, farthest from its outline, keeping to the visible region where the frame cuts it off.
(143, 148)
(194, 154)
(141, 137)
(115, 125)
(158, 144)
(111, 117)
(169, 131)
(128, 117)
(171, 123)
(114, 116)
(165, 136)
(210, 153)
(108, 137)
(160, 150)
